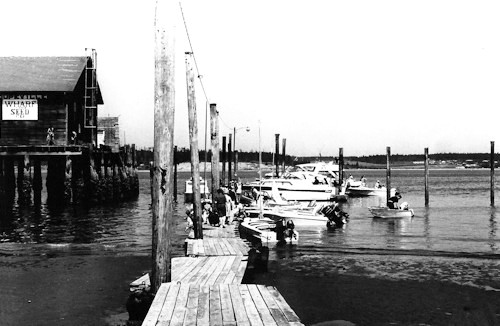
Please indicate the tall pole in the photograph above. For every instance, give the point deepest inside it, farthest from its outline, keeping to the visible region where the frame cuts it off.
(235, 154)
(229, 159)
(214, 139)
(388, 175)
(341, 167)
(283, 155)
(492, 173)
(193, 141)
(223, 178)
(276, 156)
(426, 162)
(164, 110)
(175, 173)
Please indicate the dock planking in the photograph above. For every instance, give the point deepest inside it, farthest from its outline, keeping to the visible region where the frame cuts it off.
(219, 304)
(206, 288)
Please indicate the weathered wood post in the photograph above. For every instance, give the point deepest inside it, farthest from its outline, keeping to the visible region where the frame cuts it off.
(10, 180)
(24, 182)
(223, 178)
(341, 168)
(193, 141)
(283, 155)
(426, 162)
(388, 175)
(176, 154)
(164, 110)
(2, 183)
(236, 165)
(492, 173)
(214, 139)
(229, 159)
(277, 155)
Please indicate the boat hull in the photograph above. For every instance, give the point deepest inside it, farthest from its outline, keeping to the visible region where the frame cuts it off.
(365, 191)
(264, 231)
(384, 212)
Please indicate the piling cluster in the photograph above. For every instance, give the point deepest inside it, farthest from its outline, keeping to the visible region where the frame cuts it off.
(85, 176)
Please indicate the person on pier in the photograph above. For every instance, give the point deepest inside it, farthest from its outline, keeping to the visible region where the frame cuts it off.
(220, 206)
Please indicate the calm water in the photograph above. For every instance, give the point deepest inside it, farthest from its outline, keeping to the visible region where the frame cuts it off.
(455, 239)
(458, 221)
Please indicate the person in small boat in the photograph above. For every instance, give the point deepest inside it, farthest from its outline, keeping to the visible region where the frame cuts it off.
(393, 201)
(363, 180)
(316, 181)
(378, 185)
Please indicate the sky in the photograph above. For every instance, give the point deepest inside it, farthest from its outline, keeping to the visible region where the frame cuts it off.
(324, 74)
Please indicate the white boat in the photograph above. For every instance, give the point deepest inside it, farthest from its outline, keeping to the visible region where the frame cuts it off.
(363, 191)
(268, 231)
(188, 193)
(295, 186)
(385, 212)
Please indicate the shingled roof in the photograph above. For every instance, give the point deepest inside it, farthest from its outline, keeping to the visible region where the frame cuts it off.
(42, 74)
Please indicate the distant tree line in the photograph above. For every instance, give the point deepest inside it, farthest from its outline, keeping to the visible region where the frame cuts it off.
(183, 155)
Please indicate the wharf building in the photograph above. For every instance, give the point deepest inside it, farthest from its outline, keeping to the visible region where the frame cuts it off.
(48, 123)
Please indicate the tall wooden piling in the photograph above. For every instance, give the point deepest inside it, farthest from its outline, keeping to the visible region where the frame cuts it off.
(388, 175)
(193, 142)
(229, 159)
(10, 180)
(175, 173)
(164, 110)
(426, 177)
(283, 155)
(223, 177)
(492, 173)
(214, 139)
(341, 167)
(277, 155)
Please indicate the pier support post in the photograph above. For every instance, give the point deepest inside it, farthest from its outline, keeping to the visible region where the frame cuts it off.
(388, 175)
(56, 173)
(164, 112)
(229, 159)
(283, 155)
(492, 173)
(341, 167)
(175, 173)
(426, 162)
(10, 180)
(223, 178)
(37, 182)
(193, 142)
(24, 182)
(214, 138)
(277, 155)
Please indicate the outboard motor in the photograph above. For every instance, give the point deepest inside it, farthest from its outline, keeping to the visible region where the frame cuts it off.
(290, 226)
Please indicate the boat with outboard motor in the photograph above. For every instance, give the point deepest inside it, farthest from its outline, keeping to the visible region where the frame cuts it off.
(386, 212)
(268, 230)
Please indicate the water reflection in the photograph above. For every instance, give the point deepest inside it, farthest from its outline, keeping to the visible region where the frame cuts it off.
(492, 236)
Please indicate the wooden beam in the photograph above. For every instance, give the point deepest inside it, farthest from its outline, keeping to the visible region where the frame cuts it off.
(193, 144)
(164, 110)
(214, 138)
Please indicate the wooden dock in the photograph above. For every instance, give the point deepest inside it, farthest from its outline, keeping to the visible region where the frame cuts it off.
(206, 287)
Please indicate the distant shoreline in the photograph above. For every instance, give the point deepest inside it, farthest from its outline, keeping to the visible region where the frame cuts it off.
(250, 166)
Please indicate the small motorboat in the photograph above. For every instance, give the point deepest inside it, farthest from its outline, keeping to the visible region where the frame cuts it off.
(386, 212)
(270, 231)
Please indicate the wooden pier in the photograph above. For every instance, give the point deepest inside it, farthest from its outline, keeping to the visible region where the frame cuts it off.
(206, 287)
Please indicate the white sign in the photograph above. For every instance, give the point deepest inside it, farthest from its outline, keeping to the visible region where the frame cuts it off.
(19, 109)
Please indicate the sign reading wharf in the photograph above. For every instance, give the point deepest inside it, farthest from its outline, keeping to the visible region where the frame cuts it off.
(19, 109)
